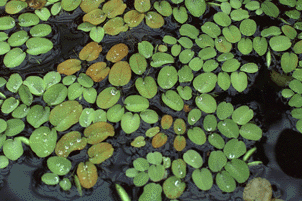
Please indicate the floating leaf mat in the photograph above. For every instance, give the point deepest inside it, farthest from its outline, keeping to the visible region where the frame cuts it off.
(146, 100)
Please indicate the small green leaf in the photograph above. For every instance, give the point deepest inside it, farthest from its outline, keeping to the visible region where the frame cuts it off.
(250, 131)
(38, 115)
(242, 115)
(97, 34)
(13, 149)
(173, 187)
(217, 161)
(228, 128)
(50, 179)
(193, 158)
(58, 165)
(14, 58)
(9, 105)
(234, 149)
(202, 179)
(225, 181)
(43, 141)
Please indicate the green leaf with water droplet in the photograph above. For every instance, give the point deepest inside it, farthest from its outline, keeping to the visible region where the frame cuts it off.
(14, 58)
(70, 142)
(206, 103)
(209, 123)
(130, 122)
(160, 59)
(193, 158)
(35, 84)
(86, 117)
(205, 82)
(50, 178)
(216, 140)
(212, 29)
(51, 78)
(65, 184)
(138, 63)
(14, 82)
(222, 45)
(173, 187)
(43, 141)
(228, 128)
(9, 105)
(20, 112)
(6, 22)
(58, 165)
(242, 115)
(108, 97)
(167, 77)
(65, 115)
(145, 48)
(234, 149)
(38, 115)
(179, 168)
(18, 38)
(225, 181)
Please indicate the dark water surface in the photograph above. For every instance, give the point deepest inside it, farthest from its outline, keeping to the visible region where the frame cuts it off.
(279, 149)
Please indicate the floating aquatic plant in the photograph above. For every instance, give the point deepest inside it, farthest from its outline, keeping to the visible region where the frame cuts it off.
(207, 66)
